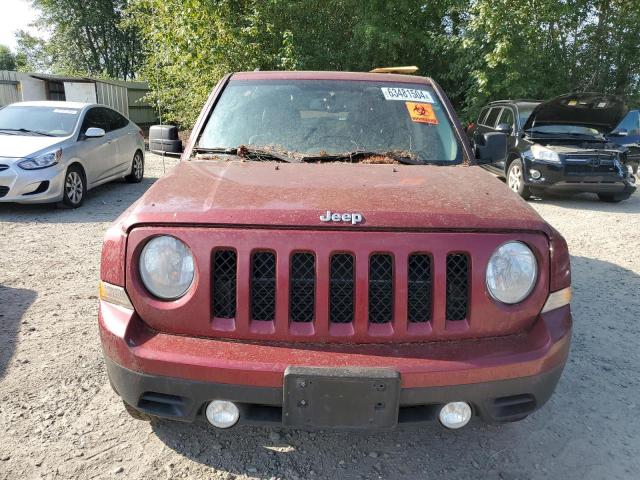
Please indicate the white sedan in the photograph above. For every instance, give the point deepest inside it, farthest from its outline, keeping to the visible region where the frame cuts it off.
(56, 151)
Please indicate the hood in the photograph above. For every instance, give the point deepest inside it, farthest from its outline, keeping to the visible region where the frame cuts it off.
(591, 110)
(268, 194)
(20, 146)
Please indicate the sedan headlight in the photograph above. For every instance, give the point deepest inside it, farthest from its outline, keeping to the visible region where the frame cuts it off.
(511, 273)
(42, 161)
(543, 153)
(167, 267)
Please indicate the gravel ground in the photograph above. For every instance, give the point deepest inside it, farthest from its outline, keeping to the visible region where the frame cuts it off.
(60, 419)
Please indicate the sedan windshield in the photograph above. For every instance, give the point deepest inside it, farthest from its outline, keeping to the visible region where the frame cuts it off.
(341, 120)
(32, 120)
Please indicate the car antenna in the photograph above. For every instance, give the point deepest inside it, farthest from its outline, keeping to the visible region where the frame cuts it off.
(159, 99)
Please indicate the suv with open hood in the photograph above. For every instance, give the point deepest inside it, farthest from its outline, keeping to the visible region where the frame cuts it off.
(559, 145)
(325, 256)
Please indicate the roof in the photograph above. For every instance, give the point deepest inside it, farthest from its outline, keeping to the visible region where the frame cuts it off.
(61, 78)
(353, 76)
(50, 103)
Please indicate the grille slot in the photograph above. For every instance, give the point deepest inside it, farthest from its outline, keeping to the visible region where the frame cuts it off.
(419, 288)
(3, 167)
(457, 286)
(263, 286)
(302, 289)
(380, 288)
(3, 191)
(341, 288)
(224, 283)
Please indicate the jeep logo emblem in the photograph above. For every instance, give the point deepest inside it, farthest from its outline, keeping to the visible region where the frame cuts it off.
(354, 218)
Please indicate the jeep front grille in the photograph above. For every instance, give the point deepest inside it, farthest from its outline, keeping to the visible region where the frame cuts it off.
(381, 293)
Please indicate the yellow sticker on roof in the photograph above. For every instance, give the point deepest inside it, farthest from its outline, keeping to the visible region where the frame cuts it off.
(422, 112)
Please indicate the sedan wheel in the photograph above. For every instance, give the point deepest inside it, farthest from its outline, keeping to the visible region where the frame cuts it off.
(74, 188)
(137, 169)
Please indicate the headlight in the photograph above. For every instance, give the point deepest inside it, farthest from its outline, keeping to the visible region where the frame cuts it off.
(41, 161)
(166, 267)
(511, 273)
(543, 153)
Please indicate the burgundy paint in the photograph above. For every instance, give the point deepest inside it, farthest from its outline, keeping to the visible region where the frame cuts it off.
(129, 342)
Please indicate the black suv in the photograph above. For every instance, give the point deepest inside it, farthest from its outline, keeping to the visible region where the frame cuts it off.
(559, 145)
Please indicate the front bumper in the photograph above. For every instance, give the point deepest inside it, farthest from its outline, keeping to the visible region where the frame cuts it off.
(18, 185)
(503, 379)
(555, 178)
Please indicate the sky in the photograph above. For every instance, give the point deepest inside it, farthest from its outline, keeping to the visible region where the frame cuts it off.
(17, 15)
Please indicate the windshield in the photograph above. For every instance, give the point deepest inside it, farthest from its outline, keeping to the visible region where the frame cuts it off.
(332, 117)
(630, 123)
(53, 121)
(524, 112)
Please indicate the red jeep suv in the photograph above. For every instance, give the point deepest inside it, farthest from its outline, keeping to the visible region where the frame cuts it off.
(326, 255)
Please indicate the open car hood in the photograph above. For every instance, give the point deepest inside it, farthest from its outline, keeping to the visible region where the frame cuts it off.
(591, 110)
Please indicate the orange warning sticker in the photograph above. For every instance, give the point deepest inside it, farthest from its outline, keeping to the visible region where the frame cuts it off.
(422, 112)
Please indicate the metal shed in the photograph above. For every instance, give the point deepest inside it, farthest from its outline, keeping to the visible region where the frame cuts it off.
(9, 88)
(125, 97)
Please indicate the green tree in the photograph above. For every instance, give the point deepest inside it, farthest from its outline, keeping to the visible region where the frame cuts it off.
(478, 50)
(7, 59)
(32, 53)
(89, 37)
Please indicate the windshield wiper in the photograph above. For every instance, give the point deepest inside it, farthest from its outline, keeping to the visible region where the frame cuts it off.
(357, 155)
(247, 152)
(26, 130)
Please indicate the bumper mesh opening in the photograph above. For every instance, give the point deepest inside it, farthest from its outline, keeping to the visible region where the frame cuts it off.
(162, 404)
(513, 407)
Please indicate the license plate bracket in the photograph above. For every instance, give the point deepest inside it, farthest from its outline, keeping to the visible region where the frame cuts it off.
(350, 398)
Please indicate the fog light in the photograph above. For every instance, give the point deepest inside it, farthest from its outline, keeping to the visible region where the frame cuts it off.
(222, 413)
(535, 174)
(455, 415)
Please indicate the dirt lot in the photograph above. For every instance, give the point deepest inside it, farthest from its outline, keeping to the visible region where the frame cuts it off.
(60, 419)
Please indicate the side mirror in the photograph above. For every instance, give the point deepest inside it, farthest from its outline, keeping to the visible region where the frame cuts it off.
(492, 149)
(164, 139)
(504, 128)
(94, 132)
